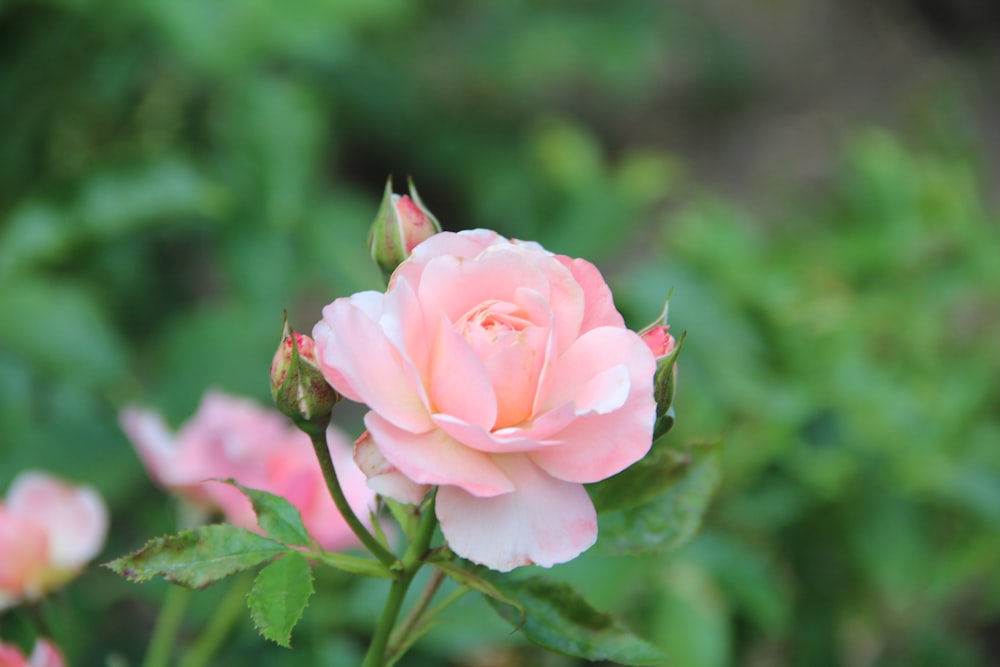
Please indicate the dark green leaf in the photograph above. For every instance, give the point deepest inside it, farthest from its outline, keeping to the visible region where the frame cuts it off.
(559, 619)
(665, 466)
(478, 578)
(669, 519)
(199, 557)
(276, 516)
(280, 594)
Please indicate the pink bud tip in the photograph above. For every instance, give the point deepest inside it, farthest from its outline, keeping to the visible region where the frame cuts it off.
(659, 340)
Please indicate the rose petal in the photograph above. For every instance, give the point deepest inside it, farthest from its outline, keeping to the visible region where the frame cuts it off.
(436, 458)
(544, 522)
(590, 356)
(360, 362)
(499, 442)
(599, 446)
(459, 383)
(600, 304)
(456, 285)
(403, 322)
(153, 441)
(383, 477)
(25, 549)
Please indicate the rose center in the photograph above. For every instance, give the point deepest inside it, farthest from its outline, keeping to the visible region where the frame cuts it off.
(512, 349)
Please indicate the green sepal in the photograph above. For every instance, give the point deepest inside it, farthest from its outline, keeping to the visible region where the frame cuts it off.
(279, 595)
(664, 387)
(199, 557)
(354, 565)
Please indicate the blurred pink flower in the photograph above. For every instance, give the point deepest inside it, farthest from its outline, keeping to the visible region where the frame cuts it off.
(49, 530)
(45, 654)
(503, 374)
(259, 448)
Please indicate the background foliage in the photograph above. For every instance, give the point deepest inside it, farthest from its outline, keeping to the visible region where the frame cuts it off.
(813, 178)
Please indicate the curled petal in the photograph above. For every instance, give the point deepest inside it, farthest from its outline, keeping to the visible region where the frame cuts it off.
(362, 364)
(383, 477)
(435, 458)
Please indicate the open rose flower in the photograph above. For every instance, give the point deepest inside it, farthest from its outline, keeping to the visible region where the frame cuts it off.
(49, 530)
(260, 449)
(502, 374)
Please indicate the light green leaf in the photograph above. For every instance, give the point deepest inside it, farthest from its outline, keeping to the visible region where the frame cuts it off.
(559, 619)
(276, 516)
(280, 594)
(669, 519)
(199, 557)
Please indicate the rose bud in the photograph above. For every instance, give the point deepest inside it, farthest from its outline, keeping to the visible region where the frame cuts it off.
(665, 348)
(402, 223)
(299, 389)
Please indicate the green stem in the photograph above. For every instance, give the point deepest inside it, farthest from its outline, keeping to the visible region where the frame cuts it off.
(376, 650)
(399, 638)
(168, 623)
(411, 563)
(229, 610)
(333, 484)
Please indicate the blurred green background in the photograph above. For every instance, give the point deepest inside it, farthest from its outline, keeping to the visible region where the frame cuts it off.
(813, 177)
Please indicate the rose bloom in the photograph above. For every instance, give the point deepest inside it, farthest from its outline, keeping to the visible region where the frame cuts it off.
(49, 530)
(260, 449)
(45, 654)
(502, 374)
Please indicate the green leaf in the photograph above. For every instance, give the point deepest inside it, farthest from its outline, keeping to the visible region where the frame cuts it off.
(199, 557)
(275, 515)
(665, 520)
(664, 466)
(477, 578)
(559, 619)
(279, 595)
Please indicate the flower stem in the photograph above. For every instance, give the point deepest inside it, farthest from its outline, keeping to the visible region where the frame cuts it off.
(167, 625)
(400, 637)
(333, 484)
(410, 564)
(376, 650)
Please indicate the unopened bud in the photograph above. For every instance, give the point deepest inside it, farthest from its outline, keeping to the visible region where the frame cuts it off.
(299, 389)
(666, 349)
(402, 222)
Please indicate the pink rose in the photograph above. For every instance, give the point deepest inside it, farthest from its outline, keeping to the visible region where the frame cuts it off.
(48, 531)
(259, 448)
(45, 654)
(502, 374)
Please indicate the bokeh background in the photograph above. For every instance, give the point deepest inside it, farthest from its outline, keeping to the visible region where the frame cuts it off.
(815, 178)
